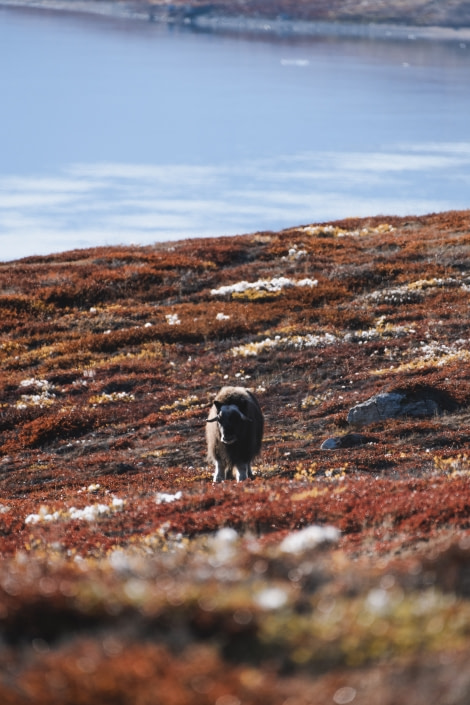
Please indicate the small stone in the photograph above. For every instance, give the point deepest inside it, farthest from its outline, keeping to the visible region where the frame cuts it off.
(330, 444)
(349, 440)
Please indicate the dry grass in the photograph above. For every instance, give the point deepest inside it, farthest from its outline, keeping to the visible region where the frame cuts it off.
(112, 565)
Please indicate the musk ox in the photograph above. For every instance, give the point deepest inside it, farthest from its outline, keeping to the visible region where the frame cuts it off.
(234, 431)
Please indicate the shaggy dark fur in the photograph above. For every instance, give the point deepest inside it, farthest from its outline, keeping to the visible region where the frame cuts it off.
(234, 432)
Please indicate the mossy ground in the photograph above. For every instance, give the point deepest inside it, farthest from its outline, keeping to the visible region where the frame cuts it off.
(114, 583)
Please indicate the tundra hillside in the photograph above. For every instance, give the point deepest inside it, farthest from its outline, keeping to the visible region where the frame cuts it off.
(452, 13)
(357, 15)
(341, 573)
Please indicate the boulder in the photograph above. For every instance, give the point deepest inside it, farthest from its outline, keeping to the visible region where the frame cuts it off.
(419, 402)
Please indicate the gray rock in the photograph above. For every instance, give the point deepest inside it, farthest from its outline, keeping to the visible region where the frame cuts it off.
(349, 440)
(330, 444)
(386, 405)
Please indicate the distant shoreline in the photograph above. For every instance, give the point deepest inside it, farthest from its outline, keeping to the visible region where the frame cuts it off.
(209, 21)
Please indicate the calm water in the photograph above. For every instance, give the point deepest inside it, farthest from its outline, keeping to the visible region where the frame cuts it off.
(119, 132)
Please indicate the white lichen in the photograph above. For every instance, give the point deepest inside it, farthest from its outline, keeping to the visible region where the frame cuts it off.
(309, 538)
(432, 354)
(299, 342)
(89, 513)
(274, 285)
(336, 231)
(166, 498)
(381, 330)
(190, 401)
(413, 292)
(44, 393)
(294, 254)
(111, 398)
(271, 598)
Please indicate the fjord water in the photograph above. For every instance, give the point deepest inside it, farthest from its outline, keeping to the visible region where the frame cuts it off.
(115, 131)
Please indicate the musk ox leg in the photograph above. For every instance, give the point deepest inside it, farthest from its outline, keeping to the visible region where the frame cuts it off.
(223, 471)
(219, 474)
(244, 472)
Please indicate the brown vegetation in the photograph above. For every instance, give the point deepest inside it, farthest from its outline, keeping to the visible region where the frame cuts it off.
(111, 564)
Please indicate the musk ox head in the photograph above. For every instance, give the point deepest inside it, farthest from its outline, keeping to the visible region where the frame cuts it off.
(231, 421)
